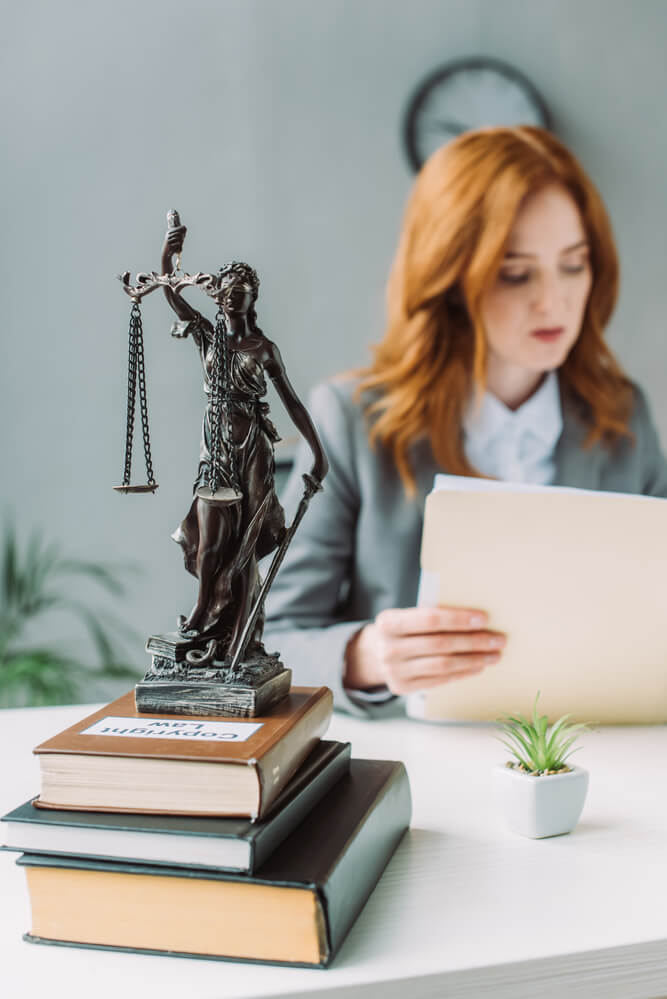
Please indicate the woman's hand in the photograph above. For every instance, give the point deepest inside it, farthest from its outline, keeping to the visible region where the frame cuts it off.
(419, 647)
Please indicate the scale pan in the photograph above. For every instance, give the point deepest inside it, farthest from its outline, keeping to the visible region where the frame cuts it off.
(136, 489)
(221, 497)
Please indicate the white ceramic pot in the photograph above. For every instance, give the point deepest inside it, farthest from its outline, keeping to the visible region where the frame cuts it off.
(540, 806)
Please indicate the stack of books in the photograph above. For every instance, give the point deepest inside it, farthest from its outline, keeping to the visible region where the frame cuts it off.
(251, 840)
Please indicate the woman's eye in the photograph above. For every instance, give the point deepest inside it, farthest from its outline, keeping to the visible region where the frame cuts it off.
(521, 277)
(514, 278)
(579, 269)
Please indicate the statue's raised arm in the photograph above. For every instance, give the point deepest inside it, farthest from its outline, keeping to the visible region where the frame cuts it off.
(173, 248)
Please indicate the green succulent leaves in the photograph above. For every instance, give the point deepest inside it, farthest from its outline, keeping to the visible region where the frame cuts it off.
(537, 748)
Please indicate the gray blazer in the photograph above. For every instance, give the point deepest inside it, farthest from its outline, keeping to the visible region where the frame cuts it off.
(356, 551)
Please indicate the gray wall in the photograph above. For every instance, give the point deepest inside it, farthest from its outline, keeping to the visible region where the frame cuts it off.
(272, 125)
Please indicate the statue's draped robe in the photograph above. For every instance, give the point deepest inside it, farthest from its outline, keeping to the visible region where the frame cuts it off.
(254, 525)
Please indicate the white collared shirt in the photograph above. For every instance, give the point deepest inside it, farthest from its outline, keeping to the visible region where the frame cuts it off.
(516, 445)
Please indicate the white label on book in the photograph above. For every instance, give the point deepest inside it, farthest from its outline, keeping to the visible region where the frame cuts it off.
(170, 728)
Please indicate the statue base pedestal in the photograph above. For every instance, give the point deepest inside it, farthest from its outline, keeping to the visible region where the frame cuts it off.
(174, 686)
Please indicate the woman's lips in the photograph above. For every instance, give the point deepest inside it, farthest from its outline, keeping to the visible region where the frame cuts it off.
(548, 334)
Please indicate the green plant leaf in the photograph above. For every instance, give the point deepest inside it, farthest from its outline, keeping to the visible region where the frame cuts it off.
(33, 581)
(515, 754)
(566, 736)
(517, 736)
(100, 574)
(517, 720)
(564, 746)
(39, 563)
(104, 645)
(9, 582)
(39, 676)
(556, 728)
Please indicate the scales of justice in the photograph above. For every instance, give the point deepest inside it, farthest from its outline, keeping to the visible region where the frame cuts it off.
(215, 663)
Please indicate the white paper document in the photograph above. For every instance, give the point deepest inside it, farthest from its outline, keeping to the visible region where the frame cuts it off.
(576, 579)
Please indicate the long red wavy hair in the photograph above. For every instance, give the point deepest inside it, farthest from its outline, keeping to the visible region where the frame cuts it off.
(456, 226)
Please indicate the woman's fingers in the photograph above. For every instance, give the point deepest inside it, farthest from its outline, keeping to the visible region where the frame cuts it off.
(443, 643)
(413, 684)
(417, 647)
(425, 620)
(418, 674)
(443, 666)
(419, 632)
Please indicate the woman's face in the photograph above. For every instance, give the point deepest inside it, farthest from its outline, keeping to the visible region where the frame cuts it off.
(533, 312)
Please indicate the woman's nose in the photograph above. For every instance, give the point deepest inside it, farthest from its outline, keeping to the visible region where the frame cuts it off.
(547, 293)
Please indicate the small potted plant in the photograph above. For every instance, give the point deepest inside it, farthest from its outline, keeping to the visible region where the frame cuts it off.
(537, 791)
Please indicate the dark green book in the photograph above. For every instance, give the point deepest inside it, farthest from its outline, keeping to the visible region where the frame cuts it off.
(229, 844)
(297, 908)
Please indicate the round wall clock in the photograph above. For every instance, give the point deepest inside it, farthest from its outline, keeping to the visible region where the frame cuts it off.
(466, 94)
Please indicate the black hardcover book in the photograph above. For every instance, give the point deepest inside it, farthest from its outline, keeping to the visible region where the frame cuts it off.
(297, 908)
(192, 841)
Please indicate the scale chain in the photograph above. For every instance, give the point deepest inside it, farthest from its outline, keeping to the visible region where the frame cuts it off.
(220, 399)
(143, 402)
(131, 392)
(215, 401)
(228, 407)
(136, 370)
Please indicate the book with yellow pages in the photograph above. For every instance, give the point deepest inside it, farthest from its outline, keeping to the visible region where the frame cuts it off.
(122, 761)
(297, 908)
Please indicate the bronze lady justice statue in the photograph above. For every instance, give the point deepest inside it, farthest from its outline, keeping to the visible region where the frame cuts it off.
(235, 518)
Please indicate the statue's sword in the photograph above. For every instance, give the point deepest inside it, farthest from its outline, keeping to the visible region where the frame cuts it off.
(312, 487)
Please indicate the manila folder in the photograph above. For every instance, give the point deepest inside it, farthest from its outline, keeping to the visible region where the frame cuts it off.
(576, 579)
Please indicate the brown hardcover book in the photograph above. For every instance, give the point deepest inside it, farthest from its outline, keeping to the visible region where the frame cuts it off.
(120, 760)
(198, 841)
(296, 909)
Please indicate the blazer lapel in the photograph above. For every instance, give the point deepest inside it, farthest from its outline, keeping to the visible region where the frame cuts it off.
(425, 469)
(576, 465)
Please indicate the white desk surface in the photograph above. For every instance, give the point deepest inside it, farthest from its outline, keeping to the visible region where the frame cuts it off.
(465, 908)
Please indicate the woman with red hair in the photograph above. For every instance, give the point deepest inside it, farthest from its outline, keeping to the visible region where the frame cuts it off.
(493, 364)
